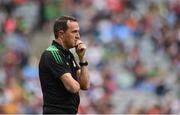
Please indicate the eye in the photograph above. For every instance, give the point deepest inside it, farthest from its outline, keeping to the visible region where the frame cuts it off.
(75, 31)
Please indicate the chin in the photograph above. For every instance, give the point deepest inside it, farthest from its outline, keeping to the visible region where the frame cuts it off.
(72, 47)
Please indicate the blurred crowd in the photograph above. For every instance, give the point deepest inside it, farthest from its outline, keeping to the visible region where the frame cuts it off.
(133, 53)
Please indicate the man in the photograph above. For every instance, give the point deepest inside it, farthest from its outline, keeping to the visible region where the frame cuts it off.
(60, 76)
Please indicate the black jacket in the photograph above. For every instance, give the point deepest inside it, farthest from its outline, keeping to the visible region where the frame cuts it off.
(56, 61)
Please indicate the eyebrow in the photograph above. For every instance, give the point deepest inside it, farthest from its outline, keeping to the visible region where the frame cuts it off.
(75, 30)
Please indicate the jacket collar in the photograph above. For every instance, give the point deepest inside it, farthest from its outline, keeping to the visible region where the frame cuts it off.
(59, 47)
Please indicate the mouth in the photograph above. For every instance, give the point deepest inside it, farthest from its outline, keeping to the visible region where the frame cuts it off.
(76, 46)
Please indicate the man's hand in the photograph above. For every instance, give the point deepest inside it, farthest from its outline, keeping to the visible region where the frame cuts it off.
(80, 49)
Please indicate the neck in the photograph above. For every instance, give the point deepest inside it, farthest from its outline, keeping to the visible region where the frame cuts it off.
(59, 41)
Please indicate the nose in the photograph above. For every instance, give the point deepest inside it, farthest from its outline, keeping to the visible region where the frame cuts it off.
(77, 36)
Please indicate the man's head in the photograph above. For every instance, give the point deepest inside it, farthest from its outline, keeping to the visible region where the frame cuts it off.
(66, 28)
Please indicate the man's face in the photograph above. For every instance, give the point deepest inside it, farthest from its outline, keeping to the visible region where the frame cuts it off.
(71, 36)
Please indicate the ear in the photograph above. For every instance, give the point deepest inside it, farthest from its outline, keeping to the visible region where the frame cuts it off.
(61, 33)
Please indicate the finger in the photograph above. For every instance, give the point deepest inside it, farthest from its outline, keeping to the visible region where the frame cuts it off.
(82, 47)
(79, 47)
(79, 42)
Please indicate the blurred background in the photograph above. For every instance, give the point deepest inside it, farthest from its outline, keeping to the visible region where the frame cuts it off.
(133, 53)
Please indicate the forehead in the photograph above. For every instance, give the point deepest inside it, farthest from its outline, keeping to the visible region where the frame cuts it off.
(72, 25)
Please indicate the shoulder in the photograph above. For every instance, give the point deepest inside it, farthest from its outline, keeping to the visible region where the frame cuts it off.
(53, 53)
(51, 48)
